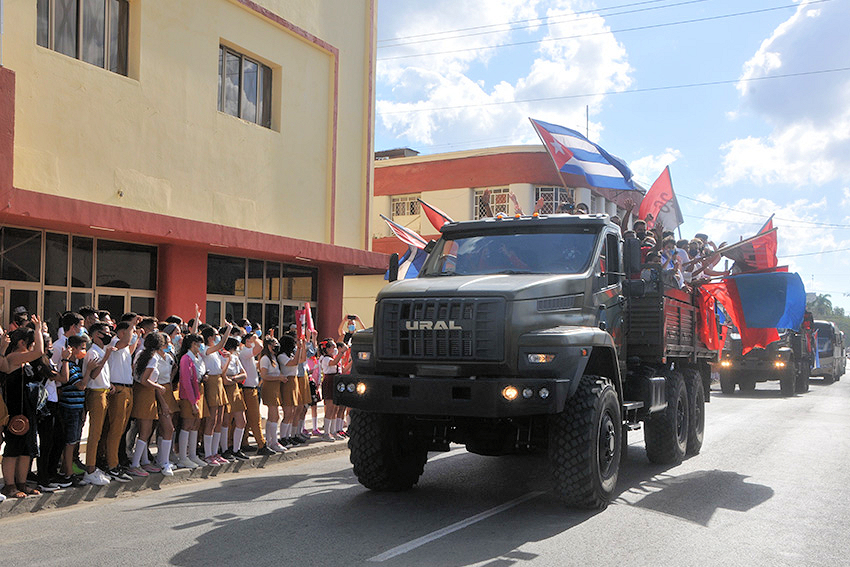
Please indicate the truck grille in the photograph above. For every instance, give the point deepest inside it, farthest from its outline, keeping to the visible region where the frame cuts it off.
(463, 330)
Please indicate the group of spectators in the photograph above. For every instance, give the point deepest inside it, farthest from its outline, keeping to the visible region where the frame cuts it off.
(138, 380)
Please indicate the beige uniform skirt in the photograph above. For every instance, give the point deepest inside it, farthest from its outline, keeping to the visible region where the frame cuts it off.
(304, 398)
(234, 398)
(289, 392)
(170, 397)
(214, 392)
(271, 393)
(144, 402)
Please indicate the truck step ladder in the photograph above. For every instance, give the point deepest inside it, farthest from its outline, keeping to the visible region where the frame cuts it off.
(630, 414)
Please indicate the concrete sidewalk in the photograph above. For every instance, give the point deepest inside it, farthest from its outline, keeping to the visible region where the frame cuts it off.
(76, 495)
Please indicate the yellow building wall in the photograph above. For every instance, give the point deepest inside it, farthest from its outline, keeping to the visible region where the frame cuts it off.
(359, 296)
(154, 141)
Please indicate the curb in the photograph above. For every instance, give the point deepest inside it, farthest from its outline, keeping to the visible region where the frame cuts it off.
(83, 494)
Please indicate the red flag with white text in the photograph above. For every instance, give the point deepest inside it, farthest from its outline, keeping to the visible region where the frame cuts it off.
(660, 202)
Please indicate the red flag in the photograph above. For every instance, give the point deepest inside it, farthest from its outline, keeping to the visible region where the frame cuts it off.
(765, 247)
(707, 322)
(308, 315)
(660, 202)
(406, 235)
(300, 322)
(757, 253)
(437, 217)
(726, 293)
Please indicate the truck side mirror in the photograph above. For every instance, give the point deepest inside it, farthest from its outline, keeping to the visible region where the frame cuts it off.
(392, 274)
(631, 256)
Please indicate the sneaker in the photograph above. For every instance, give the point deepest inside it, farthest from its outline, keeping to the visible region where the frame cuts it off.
(341, 433)
(277, 447)
(228, 455)
(78, 469)
(212, 461)
(197, 460)
(317, 433)
(119, 475)
(239, 455)
(187, 463)
(63, 481)
(305, 433)
(266, 451)
(2, 497)
(221, 460)
(328, 437)
(49, 487)
(168, 469)
(303, 438)
(137, 471)
(151, 468)
(94, 479)
(102, 475)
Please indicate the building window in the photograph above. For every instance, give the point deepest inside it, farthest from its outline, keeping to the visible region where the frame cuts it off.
(244, 87)
(405, 206)
(553, 198)
(94, 31)
(265, 293)
(499, 202)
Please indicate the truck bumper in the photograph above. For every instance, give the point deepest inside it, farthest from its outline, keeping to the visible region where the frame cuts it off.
(481, 397)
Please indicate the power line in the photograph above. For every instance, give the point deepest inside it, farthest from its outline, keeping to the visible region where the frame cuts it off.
(577, 36)
(814, 223)
(815, 253)
(564, 18)
(628, 91)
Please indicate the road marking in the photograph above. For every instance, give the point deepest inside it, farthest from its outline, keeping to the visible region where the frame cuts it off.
(419, 542)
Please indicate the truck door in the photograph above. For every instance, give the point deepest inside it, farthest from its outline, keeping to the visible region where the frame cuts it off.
(608, 289)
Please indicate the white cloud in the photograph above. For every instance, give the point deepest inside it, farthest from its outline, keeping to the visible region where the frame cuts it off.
(646, 170)
(406, 87)
(810, 141)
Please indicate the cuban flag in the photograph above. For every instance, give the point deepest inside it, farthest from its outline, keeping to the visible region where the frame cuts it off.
(406, 235)
(587, 164)
(410, 264)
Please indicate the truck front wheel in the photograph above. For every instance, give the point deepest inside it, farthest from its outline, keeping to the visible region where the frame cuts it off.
(802, 382)
(585, 445)
(787, 382)
(727, 383)
(666, 432)
(384, 454)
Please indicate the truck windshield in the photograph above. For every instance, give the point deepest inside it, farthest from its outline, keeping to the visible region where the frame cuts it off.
(522, 253)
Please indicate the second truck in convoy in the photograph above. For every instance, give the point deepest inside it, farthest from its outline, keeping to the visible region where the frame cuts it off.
(526, 334)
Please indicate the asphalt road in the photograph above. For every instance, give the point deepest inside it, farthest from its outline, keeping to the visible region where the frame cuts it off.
(769, 488)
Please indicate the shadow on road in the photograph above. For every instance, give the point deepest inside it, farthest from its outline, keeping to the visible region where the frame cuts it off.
(325, 517)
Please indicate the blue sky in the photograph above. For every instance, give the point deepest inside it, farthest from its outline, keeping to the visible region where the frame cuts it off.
(755, 144)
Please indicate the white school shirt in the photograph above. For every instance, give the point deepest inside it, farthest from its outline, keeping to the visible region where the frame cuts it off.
(153, 364)
(246, 357)
(50, 386)
(325, 361)
(93, 356)
(234, 367)
(271, 370)
(285, 370)
(163, 367)
(120, 365)
(213, 362)
(200, 365)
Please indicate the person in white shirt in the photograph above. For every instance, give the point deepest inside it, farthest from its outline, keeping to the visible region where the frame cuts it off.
(290, 356)
(234, 415)
(252, 348)
(271, 383)
(146, 390)
(97, 385)
(120, 397)
(216, 361)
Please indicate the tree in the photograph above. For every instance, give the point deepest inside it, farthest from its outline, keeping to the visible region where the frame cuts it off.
(821, 305)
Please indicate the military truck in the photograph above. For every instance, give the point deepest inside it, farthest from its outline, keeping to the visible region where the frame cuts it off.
(527, 334)
(785, 360)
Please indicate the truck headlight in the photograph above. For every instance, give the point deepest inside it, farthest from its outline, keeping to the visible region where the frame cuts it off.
(779, 364)
(364, 356)
(361, 388)
(540, 358)
(726, 363)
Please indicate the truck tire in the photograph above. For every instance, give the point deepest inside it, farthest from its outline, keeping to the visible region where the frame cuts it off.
(787, 382)
(696, 410)
(747, 385)
(384, 456)
(802, 382)
(666, 432)
(585, 444)
(828, 379)
(727, 383)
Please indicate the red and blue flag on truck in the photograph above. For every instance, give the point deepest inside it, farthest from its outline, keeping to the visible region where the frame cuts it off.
(581, 162)
(437, 217)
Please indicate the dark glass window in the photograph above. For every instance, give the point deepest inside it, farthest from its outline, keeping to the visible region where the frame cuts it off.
(272, 317)
(225, 275)
(56, 259)
(288, 316)
(82, 256)
(142, 305)
(27, 298)
(125, 265)
(300, 284)
(20, 255)
(79, 299)
(65, 27)
(273, 279)
(233, 311)
(119, 23)
(43, 23)
(213, 315)
(55, 303)
(254, 289)
(244, 87)
(112, 303)
(255, 314)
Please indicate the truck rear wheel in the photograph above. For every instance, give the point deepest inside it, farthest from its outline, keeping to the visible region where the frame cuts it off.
(585, 445)
(727, 383)
(787, 382)
(666, 432)
(696, 411)
(384, 455)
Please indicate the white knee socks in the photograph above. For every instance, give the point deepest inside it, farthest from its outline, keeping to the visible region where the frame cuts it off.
(238, 432)
(182, 444)
(141, 449)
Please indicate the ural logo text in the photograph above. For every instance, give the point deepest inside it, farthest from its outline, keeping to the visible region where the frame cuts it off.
(432, 326)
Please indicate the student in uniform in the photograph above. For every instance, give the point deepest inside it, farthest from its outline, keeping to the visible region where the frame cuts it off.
(291, 354)
(72, 402)
(330, 357)
(191, 402)
(96, 378)
(271, 383)
(120, 397)
(145, 390)
(233, 377)
(251, 348)
(216, 362)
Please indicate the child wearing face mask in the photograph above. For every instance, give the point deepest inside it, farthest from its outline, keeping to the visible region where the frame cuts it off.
(72, 397)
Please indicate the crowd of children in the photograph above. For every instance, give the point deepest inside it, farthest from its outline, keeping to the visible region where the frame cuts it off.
(139, 381)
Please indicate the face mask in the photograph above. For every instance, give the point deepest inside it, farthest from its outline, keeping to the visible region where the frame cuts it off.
(217, 341)
(202, 348)
(177, 341)
(81, 354)
(248, 328)
(169, 348)
(81, 332)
